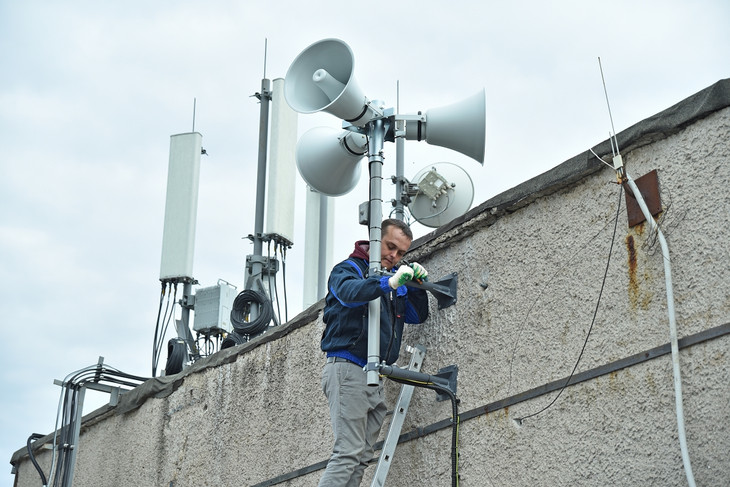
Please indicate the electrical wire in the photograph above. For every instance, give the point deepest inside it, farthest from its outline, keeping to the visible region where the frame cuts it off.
(240, 312)
(276, 288)
(176, 355)
(283, 278)
(31, 438)
(157, 328)
(232, 339)
(593, 321)
(454, 420)
(532, 306)
(676, 374)
(624, 177)
(69, 411)
(601, 159)
(448, 204)
(160, 331)
(268, 274)
(166, 319)
(61, 403)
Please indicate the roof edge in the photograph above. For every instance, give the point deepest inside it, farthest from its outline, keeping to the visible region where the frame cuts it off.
(657, 127)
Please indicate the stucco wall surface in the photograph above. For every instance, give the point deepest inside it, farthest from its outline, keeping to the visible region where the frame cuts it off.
(530, 274)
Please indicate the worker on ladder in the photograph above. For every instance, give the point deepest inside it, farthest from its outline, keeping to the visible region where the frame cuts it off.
(357, 411)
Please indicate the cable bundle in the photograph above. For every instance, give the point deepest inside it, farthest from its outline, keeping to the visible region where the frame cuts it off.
(177, 354)
(163, 321)
(233, 339)
(242, 309)
(70, 406)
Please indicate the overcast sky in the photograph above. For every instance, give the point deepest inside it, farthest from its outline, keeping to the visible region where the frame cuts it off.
(91, 91)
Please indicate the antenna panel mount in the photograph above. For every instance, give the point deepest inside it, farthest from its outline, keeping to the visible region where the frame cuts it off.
(445, 191)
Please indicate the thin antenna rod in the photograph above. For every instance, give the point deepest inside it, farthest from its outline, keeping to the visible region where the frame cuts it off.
(266, 49)
(397, 96)
(610, 116)
(194, 103)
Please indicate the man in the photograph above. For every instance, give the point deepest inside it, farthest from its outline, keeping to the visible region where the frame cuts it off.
(357, 410)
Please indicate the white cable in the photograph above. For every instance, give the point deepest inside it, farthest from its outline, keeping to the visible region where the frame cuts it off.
(672, 330)
(600, 159)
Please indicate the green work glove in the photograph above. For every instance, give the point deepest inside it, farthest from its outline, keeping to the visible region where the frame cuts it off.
(401, 277)
(419, 272)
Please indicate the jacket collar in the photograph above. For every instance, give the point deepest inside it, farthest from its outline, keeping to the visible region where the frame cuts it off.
(362, 250)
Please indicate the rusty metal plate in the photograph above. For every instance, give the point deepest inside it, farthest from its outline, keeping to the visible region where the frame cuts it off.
(648, 185)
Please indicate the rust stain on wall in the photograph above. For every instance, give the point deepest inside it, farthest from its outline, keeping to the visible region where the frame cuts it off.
(633, 281)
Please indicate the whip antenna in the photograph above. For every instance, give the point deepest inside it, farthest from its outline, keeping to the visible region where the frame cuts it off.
(610, 116)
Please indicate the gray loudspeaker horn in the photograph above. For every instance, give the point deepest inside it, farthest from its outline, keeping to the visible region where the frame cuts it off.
(321, 79)
(328, 159)
(460, 126)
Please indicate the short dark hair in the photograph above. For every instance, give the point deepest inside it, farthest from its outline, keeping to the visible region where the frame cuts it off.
(398, 224)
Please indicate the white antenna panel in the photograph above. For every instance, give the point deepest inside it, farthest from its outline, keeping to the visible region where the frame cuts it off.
(318, 238)
(445, 192)
(181, 206)
(282, 167)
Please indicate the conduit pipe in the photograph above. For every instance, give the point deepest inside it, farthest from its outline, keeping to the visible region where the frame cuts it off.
(672, 328)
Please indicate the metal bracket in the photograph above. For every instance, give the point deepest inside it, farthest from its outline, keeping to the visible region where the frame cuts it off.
(648, 185)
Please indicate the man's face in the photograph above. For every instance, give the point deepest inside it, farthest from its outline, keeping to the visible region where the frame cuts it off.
(393, 246)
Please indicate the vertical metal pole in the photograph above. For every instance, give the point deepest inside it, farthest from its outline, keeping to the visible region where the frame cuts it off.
(183, 325)
(261, 175)
(399, 167)
(322, 258)
(74, 441)
(256, 263)
(376, 136)
(400, 141)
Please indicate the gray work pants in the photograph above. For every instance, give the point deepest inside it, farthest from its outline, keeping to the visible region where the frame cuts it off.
(357, 412)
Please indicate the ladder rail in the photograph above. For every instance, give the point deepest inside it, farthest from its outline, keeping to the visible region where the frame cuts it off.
(418, 353)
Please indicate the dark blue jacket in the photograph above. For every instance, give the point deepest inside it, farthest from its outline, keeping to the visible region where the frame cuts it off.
(346, 309)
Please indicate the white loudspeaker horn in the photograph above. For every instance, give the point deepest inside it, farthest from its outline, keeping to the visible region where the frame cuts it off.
(321, 79)
(328, 159)
(460, 126)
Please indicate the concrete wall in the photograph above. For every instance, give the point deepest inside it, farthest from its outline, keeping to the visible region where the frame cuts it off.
(530, 266)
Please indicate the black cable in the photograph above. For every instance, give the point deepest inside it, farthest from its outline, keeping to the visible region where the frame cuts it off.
(268, 275)
(454, 421)
(62, 430)
(454, 431)
(166, 319)
(34, 437)
(159, 338)
(595, 313)
(69, 413)
(176, 351)
(525, 321)
(275, 292)
(67, 444)
(283, 278)
(232, 339)
(157, 328)
(241, 309)
(64, 441)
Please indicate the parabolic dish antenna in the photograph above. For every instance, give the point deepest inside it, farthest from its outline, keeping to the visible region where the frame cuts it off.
(445, 192)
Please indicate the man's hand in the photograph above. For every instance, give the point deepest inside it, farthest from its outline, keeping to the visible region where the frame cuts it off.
(401, 277)
(419, 272)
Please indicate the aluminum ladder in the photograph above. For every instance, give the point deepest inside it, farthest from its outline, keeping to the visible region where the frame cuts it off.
(418, 353)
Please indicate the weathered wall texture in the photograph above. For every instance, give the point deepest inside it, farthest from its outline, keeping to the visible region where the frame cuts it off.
(530, 266)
